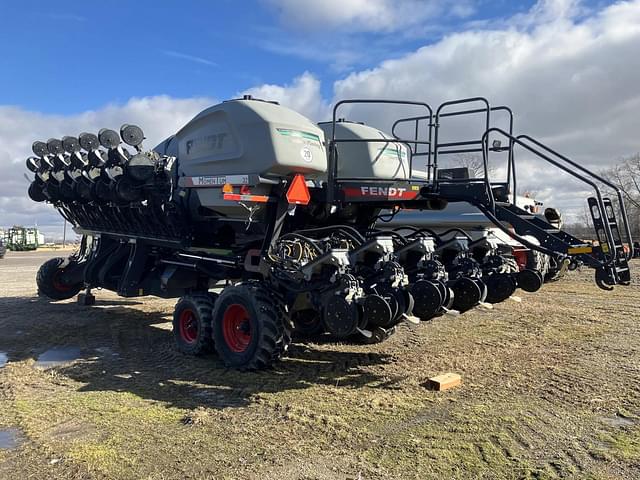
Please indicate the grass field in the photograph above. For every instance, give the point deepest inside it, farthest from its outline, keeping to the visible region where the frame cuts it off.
(551, 389)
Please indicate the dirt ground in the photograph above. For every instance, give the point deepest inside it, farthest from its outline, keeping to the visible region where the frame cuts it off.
(551, 388)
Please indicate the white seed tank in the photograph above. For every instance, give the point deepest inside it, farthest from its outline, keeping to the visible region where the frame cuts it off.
(250, 137)
(380, 159)
(242, 142)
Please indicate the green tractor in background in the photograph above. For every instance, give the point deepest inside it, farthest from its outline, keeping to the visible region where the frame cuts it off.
(19, 238)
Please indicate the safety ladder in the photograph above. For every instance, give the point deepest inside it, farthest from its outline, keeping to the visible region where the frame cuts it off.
(497, 200)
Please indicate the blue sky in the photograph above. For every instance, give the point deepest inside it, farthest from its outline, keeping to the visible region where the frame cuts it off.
(71, 56)
(569, 69)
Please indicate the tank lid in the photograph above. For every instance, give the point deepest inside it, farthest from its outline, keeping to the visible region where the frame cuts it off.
(250, 97)
(341, 120)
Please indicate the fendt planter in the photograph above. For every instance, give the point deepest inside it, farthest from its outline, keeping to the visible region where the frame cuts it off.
(264, 224)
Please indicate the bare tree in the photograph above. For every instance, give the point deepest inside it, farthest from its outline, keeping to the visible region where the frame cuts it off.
(584, 218)
(473, 162)
(626, 176)
(582, 227)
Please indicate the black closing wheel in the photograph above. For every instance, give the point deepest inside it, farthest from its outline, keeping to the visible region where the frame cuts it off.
(54, 146)
(70, 144)
(467, 294)
(377, 311)
(103, 190)
(427, 299)
(52, 283)
(307, 322)
(108, 138)
(500, 287)
(250, 330)
(126, 190)
(52, 191)
(83, 189)
(341, 317)
(530, 280)
(192, 323)
(88, 141)
(131, 135)
(35, 192)
(39, 149)
(66, 191)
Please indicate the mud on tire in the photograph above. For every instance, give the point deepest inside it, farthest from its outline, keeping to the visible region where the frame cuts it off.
(192, 323)
(250, 327)
(50, 283)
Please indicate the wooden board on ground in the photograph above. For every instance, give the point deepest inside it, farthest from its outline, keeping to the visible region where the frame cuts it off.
(444, 381)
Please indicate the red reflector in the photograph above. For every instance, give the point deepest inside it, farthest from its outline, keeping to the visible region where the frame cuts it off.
(522, 257)
(298, 192)
(245, 190)
(245, 198)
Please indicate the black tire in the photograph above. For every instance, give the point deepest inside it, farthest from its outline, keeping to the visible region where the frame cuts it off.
(539, 261)
(250, 327)
(50, 283)
(307, 323)
(192, 323)
(467, 293)
(500, 286)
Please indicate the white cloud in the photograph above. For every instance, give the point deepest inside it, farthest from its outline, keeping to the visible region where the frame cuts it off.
(571, 76)
(158, 116)
(382, 16)
(302, 95)
(573, 83)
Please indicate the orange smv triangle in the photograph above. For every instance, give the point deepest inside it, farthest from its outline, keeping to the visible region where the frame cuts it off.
(298, 192)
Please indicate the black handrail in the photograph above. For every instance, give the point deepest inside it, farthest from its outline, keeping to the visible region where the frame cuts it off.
(511, 166)
(516, 140)
(332, 173)
(436, 148)
(416, 133)
(623, 210)
(439, 113)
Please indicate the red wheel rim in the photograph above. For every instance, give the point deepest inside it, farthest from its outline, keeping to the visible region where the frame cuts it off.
(58, 284)
(188, 326)
(236, 328)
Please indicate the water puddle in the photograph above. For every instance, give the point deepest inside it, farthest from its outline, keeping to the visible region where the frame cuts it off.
(10, 438)
(4, 358)
(58, 356)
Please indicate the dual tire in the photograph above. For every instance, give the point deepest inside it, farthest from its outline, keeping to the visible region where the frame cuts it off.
(245, 325)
